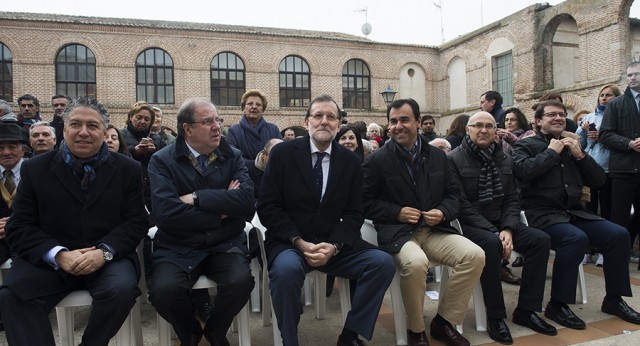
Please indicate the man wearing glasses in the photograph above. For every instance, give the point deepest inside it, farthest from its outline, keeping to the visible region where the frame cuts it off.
(200, 194)
(490, 218)
(552, 170)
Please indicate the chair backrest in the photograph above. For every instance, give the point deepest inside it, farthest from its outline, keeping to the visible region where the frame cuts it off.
(368, 232)
(456, 224)
(523, 218)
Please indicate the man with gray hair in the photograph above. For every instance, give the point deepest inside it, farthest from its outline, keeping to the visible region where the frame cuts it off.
(75, 224)
(6, 114)
(201, 194)
(442, 144)
(42, 137)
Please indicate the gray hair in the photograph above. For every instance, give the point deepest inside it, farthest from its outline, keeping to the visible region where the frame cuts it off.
(5, 106)
(42, 123)
(88, 102)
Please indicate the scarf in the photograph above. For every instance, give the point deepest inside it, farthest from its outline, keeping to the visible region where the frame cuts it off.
(410, 158)
(489, 181)
(137, 133)
(85, 169)
(252, 139)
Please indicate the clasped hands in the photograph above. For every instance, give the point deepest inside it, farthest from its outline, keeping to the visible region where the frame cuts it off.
(558, 145)
(316, 255)
(80, 261)
(413, 215)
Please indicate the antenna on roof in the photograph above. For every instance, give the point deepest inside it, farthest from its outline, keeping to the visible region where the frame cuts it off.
(366, 27)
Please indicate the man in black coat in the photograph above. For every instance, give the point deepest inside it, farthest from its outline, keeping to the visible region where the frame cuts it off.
(311, 204)
(201, 194)
(553, 169)
(76, 221)
(410, 196)
(490, 218)
(620, 132)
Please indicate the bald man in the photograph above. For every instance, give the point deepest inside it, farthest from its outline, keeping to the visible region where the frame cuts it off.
(490, 218)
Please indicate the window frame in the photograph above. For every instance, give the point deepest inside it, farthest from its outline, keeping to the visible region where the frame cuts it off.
(229, 94)
(295, 72)
(6, 73)
(161, 85)
(354, 97)
(502, 77)
(76, 74)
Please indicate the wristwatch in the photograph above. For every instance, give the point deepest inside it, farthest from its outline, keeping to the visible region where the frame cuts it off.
(196, 200)
(106, 254)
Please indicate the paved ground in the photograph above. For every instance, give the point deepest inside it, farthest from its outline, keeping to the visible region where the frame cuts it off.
(602, 329)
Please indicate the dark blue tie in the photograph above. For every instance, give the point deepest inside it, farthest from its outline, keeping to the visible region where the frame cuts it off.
(317, 171)
(202, 162)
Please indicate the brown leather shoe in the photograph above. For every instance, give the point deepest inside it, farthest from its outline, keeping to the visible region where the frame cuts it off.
(443, 330)
(417, 339)
(508, 277)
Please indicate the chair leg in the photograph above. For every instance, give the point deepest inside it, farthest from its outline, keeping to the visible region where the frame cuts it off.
(307, 291)
(582, 284)
(123, 337)
(136, 323)
(438, 270)
(255, 294)
(345, 297)
(277, 338)
(443, 286)
(480, 308)
(244, 331)
(65, 325)
(321, 294)
(164, 331)
(399, 313)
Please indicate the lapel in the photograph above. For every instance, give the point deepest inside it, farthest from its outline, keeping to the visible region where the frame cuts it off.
(302, 157)
(404, 171)
(104, 175)
(64, 173)
(334, 170)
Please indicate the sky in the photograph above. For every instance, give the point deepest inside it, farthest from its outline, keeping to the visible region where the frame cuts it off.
(394, 21)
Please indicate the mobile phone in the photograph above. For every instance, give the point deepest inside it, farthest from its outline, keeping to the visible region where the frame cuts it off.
(592, 127)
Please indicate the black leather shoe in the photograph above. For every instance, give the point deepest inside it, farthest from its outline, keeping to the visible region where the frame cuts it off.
(353, 342)
(620, 309)
(499, 331)
(443, 330)
(508, 277)
(417, 339)
(518, 262)
(564, 317)
(532, 321)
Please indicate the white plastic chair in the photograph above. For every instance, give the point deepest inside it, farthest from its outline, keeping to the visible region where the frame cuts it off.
(64, 313)
(320, 281)
(4, 267)
(244, 332)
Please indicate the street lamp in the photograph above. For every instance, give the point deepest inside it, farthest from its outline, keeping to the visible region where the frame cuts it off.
(388, 95)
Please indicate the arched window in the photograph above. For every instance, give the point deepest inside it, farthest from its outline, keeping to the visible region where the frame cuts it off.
(227, 79)
(295, 82)
(154, 76)
(356, 85)
(76, 71)
(6, 73)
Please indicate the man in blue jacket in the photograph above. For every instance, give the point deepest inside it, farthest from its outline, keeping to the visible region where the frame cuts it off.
(201, 194)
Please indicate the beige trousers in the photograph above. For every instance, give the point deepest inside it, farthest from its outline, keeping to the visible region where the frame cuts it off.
(453, 250)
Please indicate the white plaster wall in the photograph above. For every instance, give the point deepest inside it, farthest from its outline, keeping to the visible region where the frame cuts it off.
(457, 83)
(413, 86)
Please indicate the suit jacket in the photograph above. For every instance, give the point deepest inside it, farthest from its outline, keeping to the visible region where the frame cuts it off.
(51, 210)
(289, 205)
(620, 125)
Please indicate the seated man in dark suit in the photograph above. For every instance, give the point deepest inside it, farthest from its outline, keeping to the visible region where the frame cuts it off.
(76, 221)
(490, 218)
(311, 204)
(553, 169)
(201, 193)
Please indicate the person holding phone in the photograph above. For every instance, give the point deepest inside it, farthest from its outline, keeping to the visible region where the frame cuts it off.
(588, 130)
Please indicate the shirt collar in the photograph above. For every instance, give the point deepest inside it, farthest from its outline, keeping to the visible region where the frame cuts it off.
(315, 149)
(16, 169)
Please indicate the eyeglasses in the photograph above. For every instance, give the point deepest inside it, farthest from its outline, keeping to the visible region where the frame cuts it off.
(555, 114)
(330, 117)
(27, 105)
(480, 126)
(206, 122)
(251, 105)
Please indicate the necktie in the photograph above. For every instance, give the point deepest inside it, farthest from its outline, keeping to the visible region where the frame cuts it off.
(317, 171)
(8, 181)
(202, 162)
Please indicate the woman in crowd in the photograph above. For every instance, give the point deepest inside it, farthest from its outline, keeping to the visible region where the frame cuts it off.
(516, 128)
(457, 130)
(115, 142)
(351, 140)
(579, 115)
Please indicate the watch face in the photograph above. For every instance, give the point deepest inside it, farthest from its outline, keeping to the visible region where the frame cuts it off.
(108, 256)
